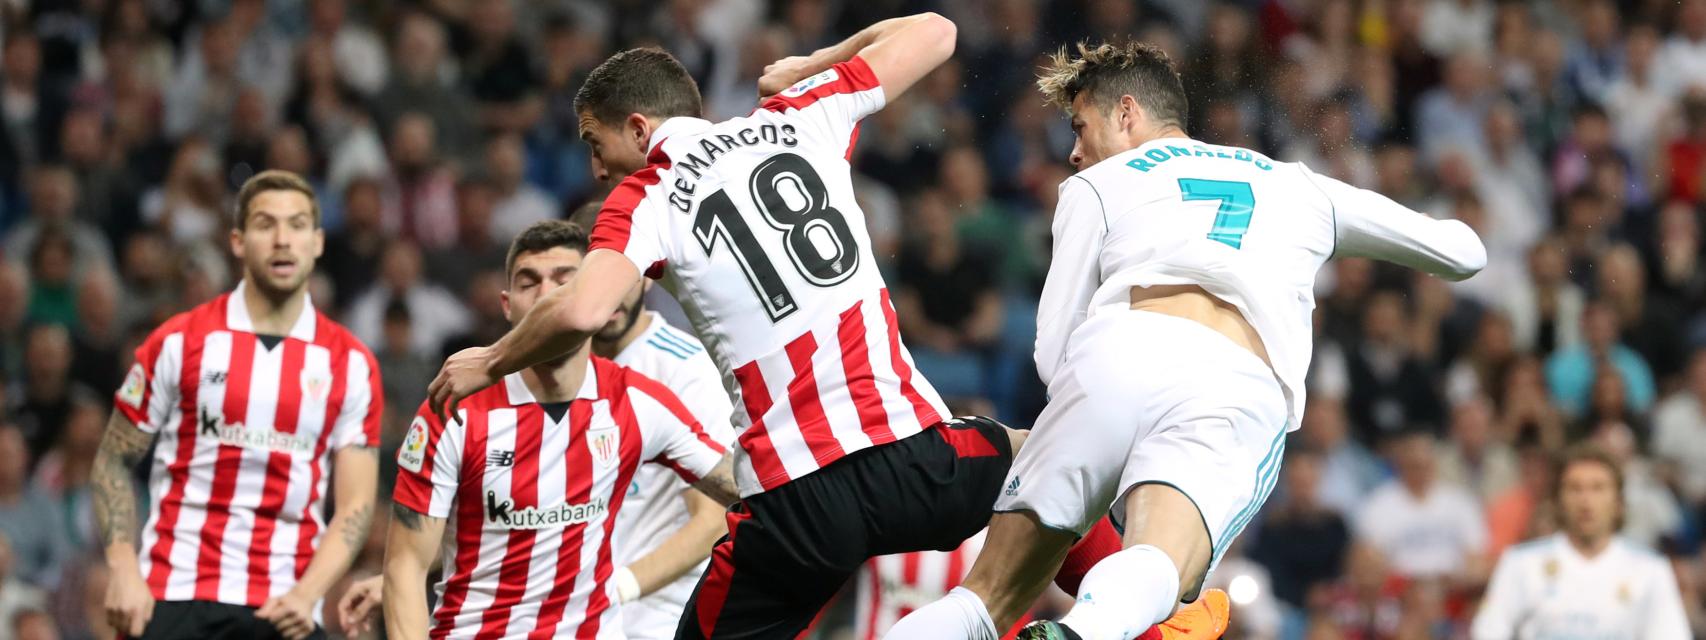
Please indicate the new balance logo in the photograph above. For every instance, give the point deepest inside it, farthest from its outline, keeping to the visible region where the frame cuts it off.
(213, 377)
(1013, 487)
(501, 458)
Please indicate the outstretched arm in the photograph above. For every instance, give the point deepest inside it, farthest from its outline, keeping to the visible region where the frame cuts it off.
(129, 602)
(1371, 225)
(900, 51)
(557, 326)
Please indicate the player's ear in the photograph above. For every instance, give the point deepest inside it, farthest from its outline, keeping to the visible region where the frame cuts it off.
(503, 296)
(1130, 112)
(237, 243)
(638, 129)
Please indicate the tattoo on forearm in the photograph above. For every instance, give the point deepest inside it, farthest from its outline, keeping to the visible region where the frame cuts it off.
(122, 447)
(355, 528)
(409, 518)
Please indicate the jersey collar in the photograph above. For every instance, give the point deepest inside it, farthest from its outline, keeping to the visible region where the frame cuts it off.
(237, 315)
(516, 391)
(682, 125)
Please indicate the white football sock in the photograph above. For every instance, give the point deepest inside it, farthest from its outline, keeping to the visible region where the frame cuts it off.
(1125, 594)
(960, 614)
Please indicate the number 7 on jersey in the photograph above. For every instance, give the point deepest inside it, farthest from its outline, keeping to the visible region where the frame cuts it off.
(1236, 205)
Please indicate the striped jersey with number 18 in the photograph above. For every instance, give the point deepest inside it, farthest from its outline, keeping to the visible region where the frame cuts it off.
(753, 224)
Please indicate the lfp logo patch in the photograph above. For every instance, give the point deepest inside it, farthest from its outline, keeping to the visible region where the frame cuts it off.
(800, 88)
(413, 453)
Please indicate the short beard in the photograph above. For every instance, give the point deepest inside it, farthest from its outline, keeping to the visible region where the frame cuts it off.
(614, 331)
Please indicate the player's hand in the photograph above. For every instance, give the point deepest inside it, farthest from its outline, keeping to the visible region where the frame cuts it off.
(291, 614)
(356, 608)
(783, 73)
(463, 374)
(130, 605)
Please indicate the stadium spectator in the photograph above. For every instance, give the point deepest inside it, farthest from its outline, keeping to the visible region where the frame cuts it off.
(1302, 542)
(187, 204)
(1348, 471)
(1472, 458)
(1425, 527)
(477, 244)
(96, 344)
(52, 209)
(1452, 113)
(1392, 384)
(418, 197)
(1524, 510)
(30, 112)
(352, 251)
(1643, 106)
(406, 371)
(1650, 510)
(434, 313)
(1679, 433)
(107, 193)
(62, 474)
(48, 392)
(518, 204)
(1570, 371)
(28, 519)
(16, 596)
(358, 51)
(1683, 60)
(946, 299)
(421, 81)
(14, 303)
(1596, 57)
(1650, 324)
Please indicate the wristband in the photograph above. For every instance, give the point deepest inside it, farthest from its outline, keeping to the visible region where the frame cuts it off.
(627, 586)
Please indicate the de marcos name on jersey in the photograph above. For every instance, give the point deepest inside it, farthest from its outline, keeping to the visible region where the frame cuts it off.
(681, 198)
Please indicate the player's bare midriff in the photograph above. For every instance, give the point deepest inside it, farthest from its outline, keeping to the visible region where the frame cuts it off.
(1192, 303)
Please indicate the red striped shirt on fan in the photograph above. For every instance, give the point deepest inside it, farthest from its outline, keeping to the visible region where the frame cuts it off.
(755, 221)
(532, 498)
(245, 433)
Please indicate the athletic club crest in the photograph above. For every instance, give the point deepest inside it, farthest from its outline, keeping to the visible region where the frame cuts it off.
(315, 385)
(606, 445)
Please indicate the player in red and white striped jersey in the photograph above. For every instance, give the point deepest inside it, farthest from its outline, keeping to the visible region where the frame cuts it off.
(752, 224)
(531, 473)
(256, 399)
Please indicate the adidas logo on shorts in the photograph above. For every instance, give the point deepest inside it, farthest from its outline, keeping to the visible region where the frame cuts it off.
(1013, 487)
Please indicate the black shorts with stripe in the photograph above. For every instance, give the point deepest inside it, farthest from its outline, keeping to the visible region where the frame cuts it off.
(790, 549)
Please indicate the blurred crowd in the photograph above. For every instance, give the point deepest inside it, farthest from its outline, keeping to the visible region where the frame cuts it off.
(1570, 133)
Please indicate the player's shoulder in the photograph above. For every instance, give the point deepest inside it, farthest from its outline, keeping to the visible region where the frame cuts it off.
(1639, 555)
(333, 335)
(203, 318)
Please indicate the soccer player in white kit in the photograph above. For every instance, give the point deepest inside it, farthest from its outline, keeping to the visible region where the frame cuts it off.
(1173, 334)
(1585, 581)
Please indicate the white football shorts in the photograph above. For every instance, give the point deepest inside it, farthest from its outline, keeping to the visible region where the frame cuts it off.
(1150, 398)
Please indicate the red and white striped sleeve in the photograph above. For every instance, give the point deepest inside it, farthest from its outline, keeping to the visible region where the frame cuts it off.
(630, 221)
(429, 464)
(150, 390)
(669, 434)
(364, 402)
(833, 102)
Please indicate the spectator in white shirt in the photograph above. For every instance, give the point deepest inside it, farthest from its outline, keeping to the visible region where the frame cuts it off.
(1429, 529)
(1682, 63)
(436, 314)
(1584, 582)
(520, 203)
(1679, 432)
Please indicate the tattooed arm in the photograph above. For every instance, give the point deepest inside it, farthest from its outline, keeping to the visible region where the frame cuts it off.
(355, 478)
(411, 546)
(129, 603)
(719, 484)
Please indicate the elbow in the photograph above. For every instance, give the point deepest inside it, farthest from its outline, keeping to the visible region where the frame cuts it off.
(581, 318)
(1472, 260)
(939, 32)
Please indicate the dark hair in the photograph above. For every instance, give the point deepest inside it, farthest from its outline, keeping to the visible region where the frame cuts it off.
(1107, 71)
(646, 81)
(544, 236)
(586, 215)
(272, 180)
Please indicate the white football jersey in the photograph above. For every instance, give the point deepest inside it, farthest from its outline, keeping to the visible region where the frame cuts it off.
(1247, 229)
(751, 223)
(1546, 589)
(654, 509)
